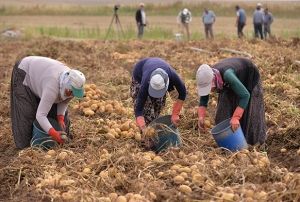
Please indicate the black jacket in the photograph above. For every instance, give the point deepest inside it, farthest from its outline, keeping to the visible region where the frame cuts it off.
(245, 70)
(138, 17)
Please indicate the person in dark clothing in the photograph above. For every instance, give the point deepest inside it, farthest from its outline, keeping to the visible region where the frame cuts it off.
(240, 20)
(258, 20)
(208, 19)
(237, 80)
(140, 18)
(152, 79)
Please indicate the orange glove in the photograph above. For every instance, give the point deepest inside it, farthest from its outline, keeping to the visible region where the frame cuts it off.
(61, 121)
(201, 116)
(56, 135)
(140, 122)
(235, 120)
(176, 111)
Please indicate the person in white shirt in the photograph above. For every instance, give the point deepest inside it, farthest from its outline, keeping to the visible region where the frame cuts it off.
(208, 19)
(140, 17)
(41, 88)
(184, 18)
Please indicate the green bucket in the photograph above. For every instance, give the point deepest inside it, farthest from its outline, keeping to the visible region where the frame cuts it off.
(167, 134)
(42, 139)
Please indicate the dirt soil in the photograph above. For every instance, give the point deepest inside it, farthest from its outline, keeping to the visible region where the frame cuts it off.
(101, 165)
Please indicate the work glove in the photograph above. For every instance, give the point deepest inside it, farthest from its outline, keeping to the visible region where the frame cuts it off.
(235, 119)
(201, 117)
(176, 111)
(56, 135)
(61, 121)
(140, 122)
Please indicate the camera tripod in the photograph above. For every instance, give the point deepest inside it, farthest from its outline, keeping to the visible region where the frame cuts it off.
(115, 19)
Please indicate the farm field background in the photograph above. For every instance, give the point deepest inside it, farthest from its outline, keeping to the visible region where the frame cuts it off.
(159, 27)
(92, 20)
(105, 159)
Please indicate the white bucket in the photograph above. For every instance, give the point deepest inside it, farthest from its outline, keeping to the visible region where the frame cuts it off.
(178, 36)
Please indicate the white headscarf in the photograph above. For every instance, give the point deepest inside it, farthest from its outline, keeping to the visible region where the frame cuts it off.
(64, 83)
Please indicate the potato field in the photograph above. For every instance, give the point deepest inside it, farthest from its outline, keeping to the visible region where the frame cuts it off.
(105, 161)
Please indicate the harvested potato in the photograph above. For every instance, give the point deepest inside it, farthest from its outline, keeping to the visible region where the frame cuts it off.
(137, 137)
(121, 199)
(62, 155)
(178, 179)
(207, 123)
(51, 152)
(185, 189)
(87, 170)
(149, 132)
(88, 112)
(158, 159)
(94, 107)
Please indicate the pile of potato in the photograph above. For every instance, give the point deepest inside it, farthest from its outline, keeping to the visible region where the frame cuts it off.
(94, 103)
(150, 157)
(184, 176)
(122, 128)
(129, 197)
(193, 176)
(92, 92)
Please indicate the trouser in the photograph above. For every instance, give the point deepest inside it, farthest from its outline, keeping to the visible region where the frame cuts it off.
(253, 121)
(267, 30)
(187, 29)
(240, 27)
(152, 107)
(258, 30)
(208, 31)
(23, 105)
(140, 30)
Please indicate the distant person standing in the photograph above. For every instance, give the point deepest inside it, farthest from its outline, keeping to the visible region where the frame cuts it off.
(184, 18)
(258, 20)
(240, 20)
(208, 19)
(268, 20)
(140, 17)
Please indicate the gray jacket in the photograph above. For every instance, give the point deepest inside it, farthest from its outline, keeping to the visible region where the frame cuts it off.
(208, 18)
(258, 17)
(268, 18)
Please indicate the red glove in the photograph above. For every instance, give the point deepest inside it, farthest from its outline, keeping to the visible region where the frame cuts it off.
(235, 120)
(201, 116)
(61, 121)
(140, 122)
(55, 135)
(176, 111)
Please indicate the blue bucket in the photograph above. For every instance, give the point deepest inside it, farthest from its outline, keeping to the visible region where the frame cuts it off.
(40, 138)
(227, 138)
(167, 134)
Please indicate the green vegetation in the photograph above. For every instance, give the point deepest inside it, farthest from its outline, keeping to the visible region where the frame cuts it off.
(152, 33)
(288, 10)
(155, 33)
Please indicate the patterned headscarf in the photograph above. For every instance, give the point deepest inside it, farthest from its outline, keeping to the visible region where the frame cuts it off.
(64, 83)
(218, 79)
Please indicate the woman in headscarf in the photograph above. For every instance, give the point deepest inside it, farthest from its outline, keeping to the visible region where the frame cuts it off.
(238, 83)
(40, 88)
(152, 79)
